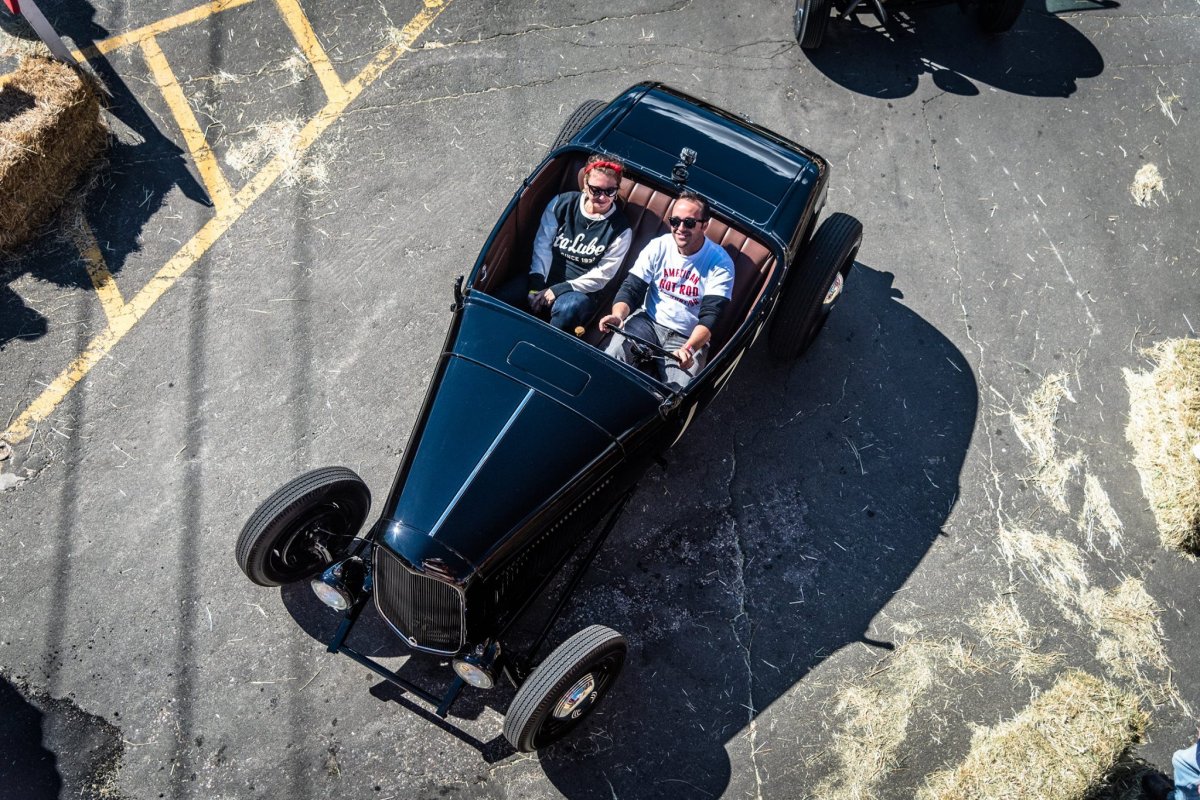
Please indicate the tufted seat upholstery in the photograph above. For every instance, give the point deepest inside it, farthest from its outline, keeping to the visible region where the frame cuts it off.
(647, 210)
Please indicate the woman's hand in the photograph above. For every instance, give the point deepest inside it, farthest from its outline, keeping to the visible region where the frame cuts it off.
(542, 300)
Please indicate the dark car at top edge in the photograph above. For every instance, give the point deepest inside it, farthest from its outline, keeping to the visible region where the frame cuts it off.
(486, 515)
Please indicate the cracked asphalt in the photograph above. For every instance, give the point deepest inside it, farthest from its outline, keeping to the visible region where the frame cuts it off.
(816, 517)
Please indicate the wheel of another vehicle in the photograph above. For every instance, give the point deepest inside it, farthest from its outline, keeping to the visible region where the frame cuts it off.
(580, 117)
(810, 21)
(997, 16)
(810, 295)
(305, 526)
(565, 688)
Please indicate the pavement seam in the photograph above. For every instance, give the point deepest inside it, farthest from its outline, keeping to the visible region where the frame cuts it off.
(551, 28)
(982, 380)
(743, 611)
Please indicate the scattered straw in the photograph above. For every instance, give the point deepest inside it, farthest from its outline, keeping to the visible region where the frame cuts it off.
(1005, 632)
(1098, 515)
(1127, 623)
(278, 139)
(1146, 182)
(1036, 430)
(1062, 743)
(878, 711)
(1164, 427)
(1056, 564)
(50, 129)
(1166, 105)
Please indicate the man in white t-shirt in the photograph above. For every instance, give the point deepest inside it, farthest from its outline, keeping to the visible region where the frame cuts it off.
(680, 284)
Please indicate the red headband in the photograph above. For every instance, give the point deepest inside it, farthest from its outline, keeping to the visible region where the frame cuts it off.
(609, 164)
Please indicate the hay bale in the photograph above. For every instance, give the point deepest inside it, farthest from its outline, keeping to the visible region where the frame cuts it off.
(1164, 428)
(50, 129)
(1061, 745)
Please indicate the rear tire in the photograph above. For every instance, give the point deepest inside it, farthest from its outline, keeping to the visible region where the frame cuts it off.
(565, 688)
(306, 525)
(810, 21)
(587, 111)
(807, 300)
(997, 16)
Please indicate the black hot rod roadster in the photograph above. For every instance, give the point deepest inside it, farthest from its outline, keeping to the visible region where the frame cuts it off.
(485, 516)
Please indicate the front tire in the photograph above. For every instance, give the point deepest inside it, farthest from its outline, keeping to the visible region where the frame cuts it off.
(587, 111)
(810, 295)
(565, 688)
(305, 526)
(810, 21)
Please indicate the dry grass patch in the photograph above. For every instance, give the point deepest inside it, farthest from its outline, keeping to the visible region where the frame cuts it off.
(50, 129)
(280, 139)
(1164, 427)
(1059, 746)
(17, 46)
(1036, 430)
(877, 712)
(1055, 563)
(1131, 635)
(1098, 515)
(1004, 630)
(1128, 624)
(1145, 184)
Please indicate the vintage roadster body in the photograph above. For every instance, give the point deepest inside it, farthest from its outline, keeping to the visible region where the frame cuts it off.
(486, 509)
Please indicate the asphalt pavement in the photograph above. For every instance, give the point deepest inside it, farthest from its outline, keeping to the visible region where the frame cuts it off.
(258, 284)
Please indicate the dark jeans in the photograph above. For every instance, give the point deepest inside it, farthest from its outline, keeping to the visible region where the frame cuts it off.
(569, 310)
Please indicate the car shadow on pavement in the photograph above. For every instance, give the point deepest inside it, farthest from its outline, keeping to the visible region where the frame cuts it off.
(51, 748)
(789, 516)
(371, 635)
(27, 769)
(1042, 56)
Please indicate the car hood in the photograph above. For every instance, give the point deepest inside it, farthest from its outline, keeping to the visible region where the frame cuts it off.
(509, 424)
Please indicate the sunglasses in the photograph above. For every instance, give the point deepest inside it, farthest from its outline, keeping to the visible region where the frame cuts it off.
(687, 222)
(596, 191)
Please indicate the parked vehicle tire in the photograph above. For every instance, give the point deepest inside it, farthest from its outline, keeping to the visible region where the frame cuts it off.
(811, 294)
(565, 688)
(997, 16)
(810, 21)
(305, 526)
(580, 117)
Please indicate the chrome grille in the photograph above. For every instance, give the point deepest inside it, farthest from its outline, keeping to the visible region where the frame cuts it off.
(426, 612)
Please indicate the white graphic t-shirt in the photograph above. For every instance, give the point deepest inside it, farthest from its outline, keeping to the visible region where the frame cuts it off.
(679, 283)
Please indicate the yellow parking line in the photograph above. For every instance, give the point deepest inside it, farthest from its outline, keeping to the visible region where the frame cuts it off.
(106, 288)
(206, 162)
(154, 29)
(212, 230)
(306, 37)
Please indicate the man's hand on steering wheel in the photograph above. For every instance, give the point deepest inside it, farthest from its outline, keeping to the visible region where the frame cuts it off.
(611, 322)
